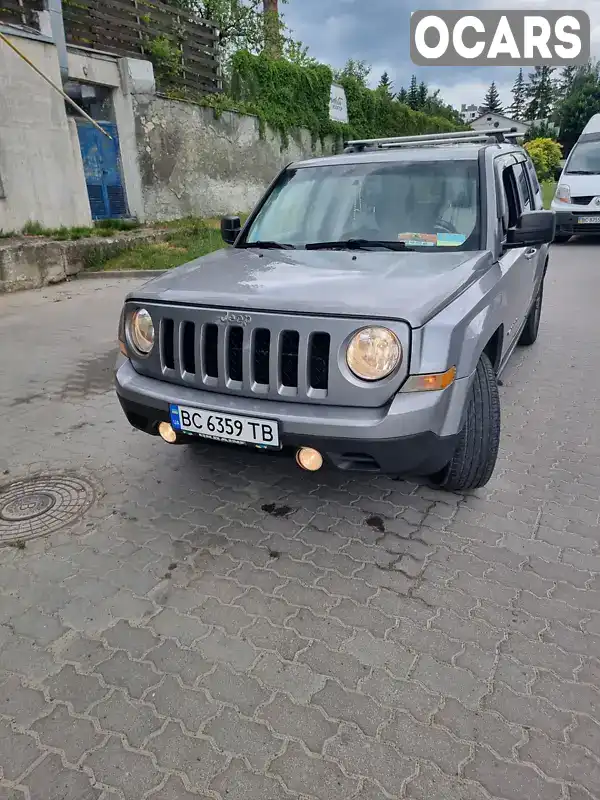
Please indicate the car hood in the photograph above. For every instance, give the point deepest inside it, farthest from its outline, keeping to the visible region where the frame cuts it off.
(582, 185)
(410, 286)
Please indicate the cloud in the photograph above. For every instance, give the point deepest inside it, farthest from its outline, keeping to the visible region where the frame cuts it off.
(377, 32)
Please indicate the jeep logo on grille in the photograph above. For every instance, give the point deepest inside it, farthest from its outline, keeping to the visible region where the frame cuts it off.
(235, 319)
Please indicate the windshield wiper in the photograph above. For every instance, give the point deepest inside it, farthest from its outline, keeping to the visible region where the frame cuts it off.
(582, 172)
(269, 245)
(357, 244)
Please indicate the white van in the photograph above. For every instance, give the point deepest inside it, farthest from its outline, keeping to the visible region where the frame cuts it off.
(577, 198)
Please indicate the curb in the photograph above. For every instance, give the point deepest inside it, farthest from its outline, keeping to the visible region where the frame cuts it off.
(122, 273)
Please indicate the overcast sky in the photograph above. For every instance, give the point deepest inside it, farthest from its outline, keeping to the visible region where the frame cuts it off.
(377, 31)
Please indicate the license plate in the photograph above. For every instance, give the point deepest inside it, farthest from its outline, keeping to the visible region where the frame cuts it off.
(589, 220)
(225, 427)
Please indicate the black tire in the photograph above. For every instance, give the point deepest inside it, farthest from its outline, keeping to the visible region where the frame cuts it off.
(561, 239)
(475, 457)
(530, 332)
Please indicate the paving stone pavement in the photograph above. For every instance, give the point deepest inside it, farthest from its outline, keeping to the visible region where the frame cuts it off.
(221, 625)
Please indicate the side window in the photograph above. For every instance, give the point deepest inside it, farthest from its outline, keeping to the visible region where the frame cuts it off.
(527, 202)
(533, 177)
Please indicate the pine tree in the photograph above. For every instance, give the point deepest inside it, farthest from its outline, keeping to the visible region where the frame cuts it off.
(423, 93)
(519, 90)
(402, 96)
(413, 93)
(565, 82)
(491, 101)
(385, 85)
(540, 93)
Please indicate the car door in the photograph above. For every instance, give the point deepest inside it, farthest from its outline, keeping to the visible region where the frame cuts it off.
(517, 264)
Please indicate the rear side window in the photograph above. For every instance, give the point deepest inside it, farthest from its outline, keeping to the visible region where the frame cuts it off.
(527, 201)
(533, 176)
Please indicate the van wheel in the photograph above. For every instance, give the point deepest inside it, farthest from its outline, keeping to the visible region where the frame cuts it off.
(530, 332)
(475, 457)
(561, 239)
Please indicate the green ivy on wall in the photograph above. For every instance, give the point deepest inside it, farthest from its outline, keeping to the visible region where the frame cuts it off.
(287, 97)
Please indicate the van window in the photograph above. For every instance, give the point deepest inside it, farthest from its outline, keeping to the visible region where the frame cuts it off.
(584, 159)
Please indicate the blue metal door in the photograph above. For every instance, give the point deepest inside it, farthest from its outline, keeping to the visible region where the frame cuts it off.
(102, 168)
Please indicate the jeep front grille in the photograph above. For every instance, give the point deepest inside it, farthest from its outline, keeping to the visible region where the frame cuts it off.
(246, 359)
(298, 358)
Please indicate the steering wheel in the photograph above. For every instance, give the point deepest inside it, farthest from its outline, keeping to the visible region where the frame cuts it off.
(445, 227)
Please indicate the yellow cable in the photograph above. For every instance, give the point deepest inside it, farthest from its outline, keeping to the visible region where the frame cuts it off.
(54, 86)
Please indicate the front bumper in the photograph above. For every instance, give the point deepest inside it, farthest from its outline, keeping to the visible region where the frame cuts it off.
(415, 434)
(567, 222)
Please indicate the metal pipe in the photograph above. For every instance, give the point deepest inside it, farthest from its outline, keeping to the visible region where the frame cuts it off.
(54, 86)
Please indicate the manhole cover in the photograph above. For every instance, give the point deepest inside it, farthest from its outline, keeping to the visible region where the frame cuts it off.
(38, 506)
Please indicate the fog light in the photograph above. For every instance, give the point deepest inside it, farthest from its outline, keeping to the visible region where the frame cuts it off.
(167, 432)
(309, 459)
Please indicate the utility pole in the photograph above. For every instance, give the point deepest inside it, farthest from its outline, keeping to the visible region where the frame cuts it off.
(272, 32)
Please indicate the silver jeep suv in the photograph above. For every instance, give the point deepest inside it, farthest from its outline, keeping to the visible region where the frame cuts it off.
(361, 316)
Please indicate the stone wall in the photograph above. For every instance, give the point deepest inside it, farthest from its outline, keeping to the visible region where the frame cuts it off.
(194, 164)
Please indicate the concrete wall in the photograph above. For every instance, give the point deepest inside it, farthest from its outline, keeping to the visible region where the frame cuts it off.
(40, 164)
(193, 163)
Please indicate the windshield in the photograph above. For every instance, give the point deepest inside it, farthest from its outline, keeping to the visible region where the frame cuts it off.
(425, 204)
(585, 159)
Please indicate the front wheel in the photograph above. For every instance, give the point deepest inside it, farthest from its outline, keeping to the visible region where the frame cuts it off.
(474, 459)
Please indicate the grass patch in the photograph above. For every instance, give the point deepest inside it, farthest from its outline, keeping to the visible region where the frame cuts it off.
(548, 190)
(101, 228)
(182, 245)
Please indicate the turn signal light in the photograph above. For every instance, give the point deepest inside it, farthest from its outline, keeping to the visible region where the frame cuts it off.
(434, 382)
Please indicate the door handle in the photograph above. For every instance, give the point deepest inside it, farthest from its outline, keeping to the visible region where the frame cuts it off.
(531, 252)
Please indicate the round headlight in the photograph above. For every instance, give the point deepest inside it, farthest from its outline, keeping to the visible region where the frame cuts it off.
(141, 331)
(374, 353)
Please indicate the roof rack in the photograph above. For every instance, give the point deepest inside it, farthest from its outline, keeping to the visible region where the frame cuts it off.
(497, 135)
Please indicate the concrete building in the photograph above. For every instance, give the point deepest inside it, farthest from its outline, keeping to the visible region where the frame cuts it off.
(492, 120)
(469, 113)
(53, 163)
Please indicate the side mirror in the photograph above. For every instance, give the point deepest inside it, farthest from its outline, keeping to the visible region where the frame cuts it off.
(230, 229)
(534, 228)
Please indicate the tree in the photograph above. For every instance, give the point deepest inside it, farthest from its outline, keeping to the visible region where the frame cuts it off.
(385, 85)
(273, 44)
(541, 130)
(491, 101)
(517, 108)
(402, 96)
(242, 25)
(565, 82)
(540, 93)
(422, 95)
(359, 70)
(297, 53)
(582, 102)
(412, 97)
